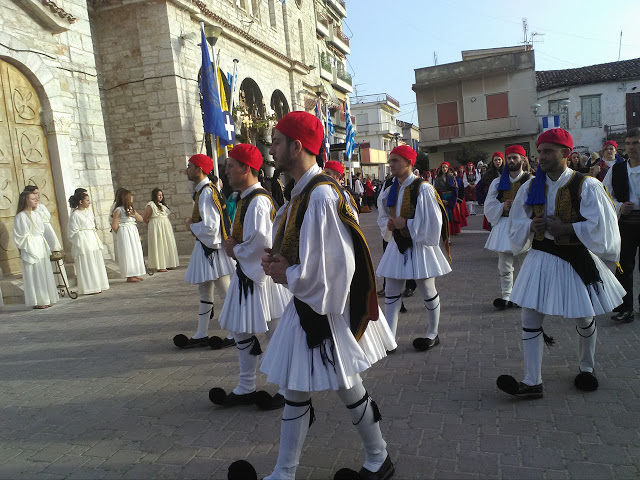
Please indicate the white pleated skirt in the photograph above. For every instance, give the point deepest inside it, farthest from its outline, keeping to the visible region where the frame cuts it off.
(498, 240)
(200, 270)
(291, 364)
(252, 313)
(91, 272)
(550, 285)
(417, 262)
(38, 283)
(163, 252)
(130, 257)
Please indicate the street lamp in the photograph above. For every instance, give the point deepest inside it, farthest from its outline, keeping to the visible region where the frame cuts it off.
(212, 33)
(535, 107)
(397, 137)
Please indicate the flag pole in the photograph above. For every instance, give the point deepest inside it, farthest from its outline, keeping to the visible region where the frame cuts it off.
(214, 139)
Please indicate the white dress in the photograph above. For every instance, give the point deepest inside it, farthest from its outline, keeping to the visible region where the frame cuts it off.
(250, 313)
(547, 283)
(130, 256)
(425, 258)
(322, 281)
(498, 240)
(86, 249)
(163, 252)
(202, 269)
(39, 284)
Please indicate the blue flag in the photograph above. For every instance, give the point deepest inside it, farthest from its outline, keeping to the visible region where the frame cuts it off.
(350, 141)
(213, 117)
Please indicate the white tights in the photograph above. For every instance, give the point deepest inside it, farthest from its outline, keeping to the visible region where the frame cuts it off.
(533, 343)
(393, 301)
(295, 425)
(206, 290)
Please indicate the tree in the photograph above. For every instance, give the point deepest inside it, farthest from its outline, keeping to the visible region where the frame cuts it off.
(471, 153)
(422, 161)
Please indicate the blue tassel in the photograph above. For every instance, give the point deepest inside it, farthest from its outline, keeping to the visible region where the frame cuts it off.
(536, 190)
(505, 183)
(392, 200)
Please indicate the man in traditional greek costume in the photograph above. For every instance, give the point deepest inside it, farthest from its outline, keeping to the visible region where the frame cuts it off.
(411, 218)
(571, 223)
(497, 205)
(209, 265)
(253, 299)
(332, 330)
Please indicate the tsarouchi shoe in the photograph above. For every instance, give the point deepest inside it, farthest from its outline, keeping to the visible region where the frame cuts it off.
(423, 344)
(182, 341)
(510, 385)
(385, 472)
(265, 401)
(623, 317)
(586, 381)
(241, 470)
(219, 397)
(216, 343)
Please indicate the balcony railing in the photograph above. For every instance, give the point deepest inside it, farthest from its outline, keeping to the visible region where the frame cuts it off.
(340, 34)
(344, 76)
(469, 129)
(325, 63)
(323, 20)
(376, 97)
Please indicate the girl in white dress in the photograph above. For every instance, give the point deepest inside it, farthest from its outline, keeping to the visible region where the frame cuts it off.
(130, 256)
(113, 232)
(163, 253)
(86, 246)
(28, 232)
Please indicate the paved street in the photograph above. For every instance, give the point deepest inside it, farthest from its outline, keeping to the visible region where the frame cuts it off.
(93, 388)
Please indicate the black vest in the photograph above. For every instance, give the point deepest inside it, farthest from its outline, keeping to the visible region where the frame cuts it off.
(620, 182)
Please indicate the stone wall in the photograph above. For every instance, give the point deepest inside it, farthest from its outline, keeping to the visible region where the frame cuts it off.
(148, 69)
(54, 51)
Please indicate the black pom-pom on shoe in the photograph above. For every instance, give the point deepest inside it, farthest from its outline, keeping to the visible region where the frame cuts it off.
(510, 385)
(586, 381)
(241, 470)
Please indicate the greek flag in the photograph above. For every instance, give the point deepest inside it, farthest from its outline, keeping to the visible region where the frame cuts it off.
(332, 130)
(551, 121)
(213, 117)
(350, 141)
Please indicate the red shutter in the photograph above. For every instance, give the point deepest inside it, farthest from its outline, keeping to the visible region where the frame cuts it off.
(497, 106)
(448, 120)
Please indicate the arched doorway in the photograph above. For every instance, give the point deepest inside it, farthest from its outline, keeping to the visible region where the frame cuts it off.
(24, 158)
(279, 104)
(252, 113)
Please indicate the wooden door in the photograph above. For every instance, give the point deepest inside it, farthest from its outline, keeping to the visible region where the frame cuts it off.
(633, 110)
(24, 158)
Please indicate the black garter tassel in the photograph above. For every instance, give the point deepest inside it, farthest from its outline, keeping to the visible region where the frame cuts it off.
(255, 348)
(376, 411)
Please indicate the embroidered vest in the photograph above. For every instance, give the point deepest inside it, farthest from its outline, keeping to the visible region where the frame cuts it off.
(620, 182)
(219, 203)
(408, 210)
(567, 208)
(363, 305)
(241, 211)
(504, 195)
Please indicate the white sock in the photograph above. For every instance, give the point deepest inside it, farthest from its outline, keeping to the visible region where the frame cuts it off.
(293, 431)
(206, 309)
(427, 288)
(393, 302)
(363, 418)
(248, 364)
(588, 333)
(532, 346)
(505, 269)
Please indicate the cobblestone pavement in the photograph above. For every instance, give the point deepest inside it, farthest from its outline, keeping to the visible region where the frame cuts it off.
(93, 388)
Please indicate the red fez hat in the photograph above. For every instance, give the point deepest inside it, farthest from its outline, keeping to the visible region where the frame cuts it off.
(304, 127)
(445, 163)
(558, 136)
(497, 154)
(247, 154)
(405, 151)
(335, 166)
(470, 163)
(519, 149)
(610, 142)
(202, 161)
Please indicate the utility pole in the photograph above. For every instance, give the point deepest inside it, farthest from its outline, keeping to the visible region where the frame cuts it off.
(525, 27)
(435, 58)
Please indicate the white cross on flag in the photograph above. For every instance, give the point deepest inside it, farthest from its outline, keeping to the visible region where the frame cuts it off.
(229, 127)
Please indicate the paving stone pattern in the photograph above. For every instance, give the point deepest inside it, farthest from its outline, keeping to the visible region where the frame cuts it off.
(93, 388)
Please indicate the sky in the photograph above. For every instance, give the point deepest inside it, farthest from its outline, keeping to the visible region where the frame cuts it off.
(389, 39)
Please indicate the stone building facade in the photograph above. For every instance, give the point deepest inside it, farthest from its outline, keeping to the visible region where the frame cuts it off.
(114, 95)
(51, 125)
